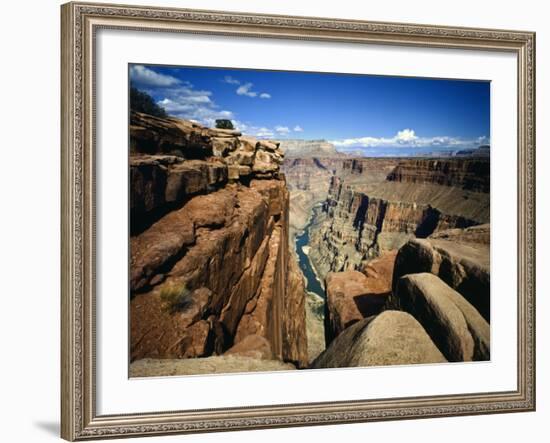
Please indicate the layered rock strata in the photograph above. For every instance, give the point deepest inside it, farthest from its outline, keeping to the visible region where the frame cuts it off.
(211, 271)
(471, 174)
(296, 148)
(365, 215)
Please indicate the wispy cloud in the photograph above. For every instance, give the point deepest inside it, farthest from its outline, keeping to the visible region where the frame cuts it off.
(230, 80)
(282, 130)
(245, 88)
(407, 138)
(179, 98)
(298, 128)
(145, 77)
(182, 99)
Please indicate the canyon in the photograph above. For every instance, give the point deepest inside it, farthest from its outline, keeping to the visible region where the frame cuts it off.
(361, 217)
(259, 255)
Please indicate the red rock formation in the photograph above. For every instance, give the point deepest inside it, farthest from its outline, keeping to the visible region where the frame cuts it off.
(353, 295)
(210, 267)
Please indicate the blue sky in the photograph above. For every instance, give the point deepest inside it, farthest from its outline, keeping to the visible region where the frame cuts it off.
(373, 114)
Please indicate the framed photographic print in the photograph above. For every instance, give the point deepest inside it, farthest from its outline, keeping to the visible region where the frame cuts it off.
(282, 221)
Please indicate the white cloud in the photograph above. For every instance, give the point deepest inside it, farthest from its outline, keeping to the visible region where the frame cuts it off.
(298, 128)
(407, 138)
(262, 132)
(181, 99)
(246, 90)
(282, 129)
(230, 80)
(143, 76)
(189, 103)
(406, 135)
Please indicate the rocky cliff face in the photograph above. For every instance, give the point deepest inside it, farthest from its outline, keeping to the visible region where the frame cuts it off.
(471, 174)
(211, 273)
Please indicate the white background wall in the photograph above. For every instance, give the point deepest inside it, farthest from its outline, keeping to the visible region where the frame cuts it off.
(29, 222)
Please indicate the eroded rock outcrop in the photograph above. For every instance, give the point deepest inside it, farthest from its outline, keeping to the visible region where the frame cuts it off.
(211, 271)
(391, 338)
(465, 267)
(457, 328)
(353, 295)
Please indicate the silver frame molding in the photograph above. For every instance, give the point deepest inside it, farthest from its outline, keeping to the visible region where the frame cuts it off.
(79, 22)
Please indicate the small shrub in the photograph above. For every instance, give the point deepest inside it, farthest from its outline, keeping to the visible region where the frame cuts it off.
(176, 297)
(224, 124)
(142, 102)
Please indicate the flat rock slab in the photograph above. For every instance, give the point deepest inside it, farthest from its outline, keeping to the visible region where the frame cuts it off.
(150, 367)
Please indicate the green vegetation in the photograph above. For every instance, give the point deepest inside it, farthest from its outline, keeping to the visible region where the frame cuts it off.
(142, 102)
(176, 297)
(224, 124)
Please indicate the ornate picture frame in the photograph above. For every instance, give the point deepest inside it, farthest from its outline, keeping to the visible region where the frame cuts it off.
(80, 22)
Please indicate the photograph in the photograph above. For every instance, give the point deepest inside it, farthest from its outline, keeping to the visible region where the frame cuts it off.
(288, 220)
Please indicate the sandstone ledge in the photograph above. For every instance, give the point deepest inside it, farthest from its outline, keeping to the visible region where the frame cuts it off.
(226, 364)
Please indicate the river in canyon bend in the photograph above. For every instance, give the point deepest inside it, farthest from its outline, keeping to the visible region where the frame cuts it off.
(302, 245)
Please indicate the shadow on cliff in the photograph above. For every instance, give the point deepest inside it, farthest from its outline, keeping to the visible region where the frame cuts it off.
(371, 303)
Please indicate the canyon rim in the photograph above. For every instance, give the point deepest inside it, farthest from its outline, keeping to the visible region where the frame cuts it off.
(285, 221)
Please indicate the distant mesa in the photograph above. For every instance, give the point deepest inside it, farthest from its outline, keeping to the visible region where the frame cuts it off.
(309, 148)
(482, 151)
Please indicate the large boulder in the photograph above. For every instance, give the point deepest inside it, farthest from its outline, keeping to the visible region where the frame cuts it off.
(345, 292)
(432, 303)
(391, 338)
(253, 346)
(465, 267)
